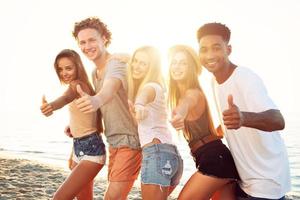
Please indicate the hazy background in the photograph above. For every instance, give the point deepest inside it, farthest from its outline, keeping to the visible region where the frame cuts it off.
(265, 38)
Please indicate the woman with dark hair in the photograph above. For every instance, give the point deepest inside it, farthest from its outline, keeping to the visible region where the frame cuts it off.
(88, 155)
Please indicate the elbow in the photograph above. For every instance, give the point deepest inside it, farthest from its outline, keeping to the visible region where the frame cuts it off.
(276, 120)
(279, 122)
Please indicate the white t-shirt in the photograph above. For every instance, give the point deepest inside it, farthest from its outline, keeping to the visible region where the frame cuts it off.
(260, 157)
(155, 125)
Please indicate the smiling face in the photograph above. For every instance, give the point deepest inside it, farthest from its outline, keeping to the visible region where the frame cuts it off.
(140, 65)
(213, 53)
(179, 66)
(91, 43)
(66, 70)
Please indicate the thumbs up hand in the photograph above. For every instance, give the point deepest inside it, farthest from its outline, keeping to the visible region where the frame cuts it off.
(44, 101)
(86, 103)
(141, 112)
(233, 118)
(177, 120)
(46, 108)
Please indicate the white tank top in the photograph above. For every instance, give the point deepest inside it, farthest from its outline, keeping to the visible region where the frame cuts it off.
(156, 124)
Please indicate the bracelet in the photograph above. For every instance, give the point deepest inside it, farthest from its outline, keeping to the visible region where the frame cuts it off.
(139, 104)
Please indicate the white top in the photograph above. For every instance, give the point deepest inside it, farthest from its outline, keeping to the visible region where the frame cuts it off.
(155, 125)
(260, 157)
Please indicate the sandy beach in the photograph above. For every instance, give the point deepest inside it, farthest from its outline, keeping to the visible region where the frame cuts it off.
(27, 179)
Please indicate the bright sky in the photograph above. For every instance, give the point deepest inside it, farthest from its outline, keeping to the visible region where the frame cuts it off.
(265, 37)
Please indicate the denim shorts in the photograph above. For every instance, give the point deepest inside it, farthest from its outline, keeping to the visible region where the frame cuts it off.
(90, 147)
(161, 165)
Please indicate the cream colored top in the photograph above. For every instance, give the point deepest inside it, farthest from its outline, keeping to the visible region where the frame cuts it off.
(81, 124)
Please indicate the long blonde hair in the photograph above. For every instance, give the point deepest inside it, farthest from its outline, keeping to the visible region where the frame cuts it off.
(153, 75)
(194, 70)
(191, 81)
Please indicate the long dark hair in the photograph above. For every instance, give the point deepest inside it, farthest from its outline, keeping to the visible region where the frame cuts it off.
(81, 76)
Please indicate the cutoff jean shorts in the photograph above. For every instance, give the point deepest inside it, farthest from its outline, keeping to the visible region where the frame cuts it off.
(161, 165)
(90, 147)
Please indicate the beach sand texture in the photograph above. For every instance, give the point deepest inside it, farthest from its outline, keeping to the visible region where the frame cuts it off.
(26, 179)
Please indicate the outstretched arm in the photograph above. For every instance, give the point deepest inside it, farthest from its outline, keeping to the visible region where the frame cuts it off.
(88, 104)
(48, 108)
(187, 103)
(145, 96)
(269, 120)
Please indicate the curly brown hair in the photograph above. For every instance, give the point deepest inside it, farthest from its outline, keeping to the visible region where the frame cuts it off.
(94, 23)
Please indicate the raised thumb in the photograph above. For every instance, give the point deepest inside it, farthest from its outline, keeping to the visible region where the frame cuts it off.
(80, 91)
(44, 100)
(230, 101)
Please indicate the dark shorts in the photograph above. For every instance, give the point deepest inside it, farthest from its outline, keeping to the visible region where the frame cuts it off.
(90, 145)
(214, 159)
(241, 195)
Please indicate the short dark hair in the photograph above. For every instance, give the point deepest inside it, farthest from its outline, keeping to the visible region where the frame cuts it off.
(214, 29)
(94, 23)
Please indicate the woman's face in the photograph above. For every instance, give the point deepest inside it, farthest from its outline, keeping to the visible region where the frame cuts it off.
(140, 65)
(66, 70)
(179, 66)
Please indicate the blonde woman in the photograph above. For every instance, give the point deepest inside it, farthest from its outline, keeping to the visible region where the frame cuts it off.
(161, 165)
(190, 113)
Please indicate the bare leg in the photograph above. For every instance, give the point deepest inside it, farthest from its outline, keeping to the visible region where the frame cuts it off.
(228, 191)
(118, 190)
(87, 192)
(157, 192)
(171, 189)
(80, 177)
(201, 187)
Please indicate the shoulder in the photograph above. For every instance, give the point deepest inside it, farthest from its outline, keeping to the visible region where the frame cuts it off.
(154, 86)
(115, 63)
(121, 57)
(84, 86)
(195, 94)
(245, 73)
(77, 82)
(246, 77)
(116, 69)
(150, 89)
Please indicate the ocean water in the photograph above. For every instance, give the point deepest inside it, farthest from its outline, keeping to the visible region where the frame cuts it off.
(50, 145)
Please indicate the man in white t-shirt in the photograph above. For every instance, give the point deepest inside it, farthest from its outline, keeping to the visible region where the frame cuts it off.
(251, 119)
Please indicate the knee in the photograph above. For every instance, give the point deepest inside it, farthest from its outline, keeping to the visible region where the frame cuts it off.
(185, 196)
(60, 196)
(56, 196)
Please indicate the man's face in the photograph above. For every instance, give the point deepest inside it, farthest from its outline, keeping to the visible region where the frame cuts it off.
(91, 43)
(213, 53)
